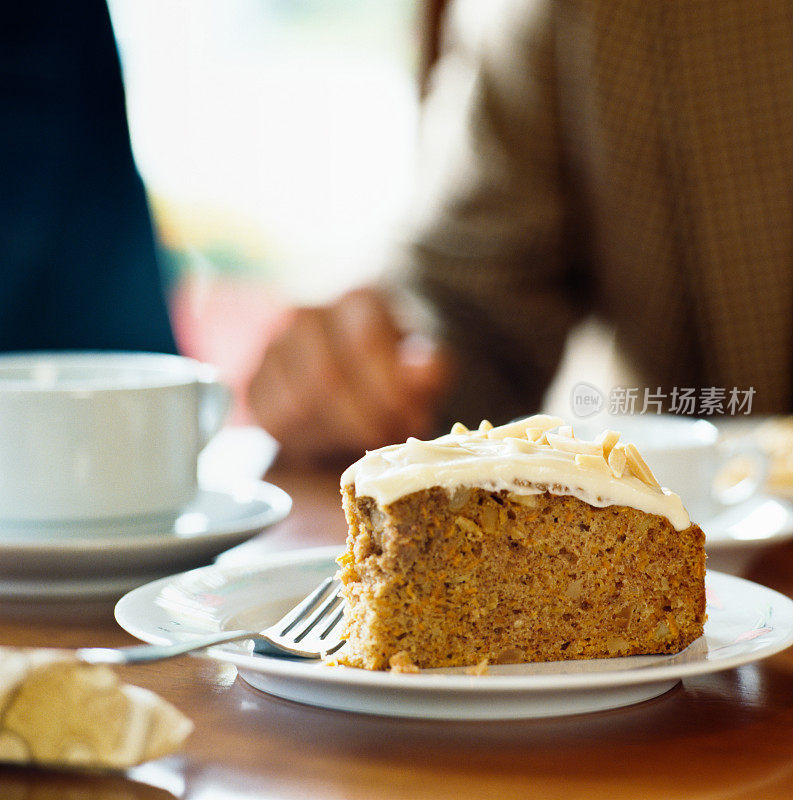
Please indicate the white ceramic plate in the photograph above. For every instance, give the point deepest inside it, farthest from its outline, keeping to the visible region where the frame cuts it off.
(216, 520)
(746, 622)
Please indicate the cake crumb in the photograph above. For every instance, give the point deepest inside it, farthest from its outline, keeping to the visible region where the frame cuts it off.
(401, 662)
(482, 668)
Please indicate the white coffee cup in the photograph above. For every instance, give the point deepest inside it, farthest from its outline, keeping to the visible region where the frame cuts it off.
(96, 438)
(691, 458)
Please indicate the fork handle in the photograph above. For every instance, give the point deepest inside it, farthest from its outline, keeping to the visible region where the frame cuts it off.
(145, 653)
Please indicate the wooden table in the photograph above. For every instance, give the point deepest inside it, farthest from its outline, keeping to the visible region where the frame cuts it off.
(728, 735)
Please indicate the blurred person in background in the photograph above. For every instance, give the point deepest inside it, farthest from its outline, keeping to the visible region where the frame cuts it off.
(632, 161)
(79, 267)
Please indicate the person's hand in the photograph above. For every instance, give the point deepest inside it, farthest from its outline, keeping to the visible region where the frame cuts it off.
(342, 378)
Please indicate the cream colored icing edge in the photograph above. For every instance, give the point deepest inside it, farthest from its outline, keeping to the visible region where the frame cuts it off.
(517, 458)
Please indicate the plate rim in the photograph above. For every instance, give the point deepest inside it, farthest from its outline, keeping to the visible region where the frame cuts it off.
(105, 589)
(428, 680)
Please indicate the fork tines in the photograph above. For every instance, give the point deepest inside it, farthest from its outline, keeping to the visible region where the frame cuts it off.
(313, 610)
(311, 628)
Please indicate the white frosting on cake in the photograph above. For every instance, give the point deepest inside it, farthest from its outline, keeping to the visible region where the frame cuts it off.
(521, 457)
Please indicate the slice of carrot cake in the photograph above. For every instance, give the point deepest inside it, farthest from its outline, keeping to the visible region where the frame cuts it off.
(512, 544)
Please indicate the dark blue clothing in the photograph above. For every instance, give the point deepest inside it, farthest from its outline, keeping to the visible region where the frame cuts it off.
(78, 266)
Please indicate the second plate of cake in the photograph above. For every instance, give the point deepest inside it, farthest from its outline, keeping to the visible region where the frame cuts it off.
(746, 622)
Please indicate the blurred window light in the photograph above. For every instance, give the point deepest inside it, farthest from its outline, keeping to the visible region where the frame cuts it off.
(276, 137)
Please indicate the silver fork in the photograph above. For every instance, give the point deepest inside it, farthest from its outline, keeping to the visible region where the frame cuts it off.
(311, 629)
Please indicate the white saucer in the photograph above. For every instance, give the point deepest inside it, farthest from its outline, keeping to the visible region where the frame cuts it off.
(760, 520)
(72, 566)
(735, 536)
(746, 622)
